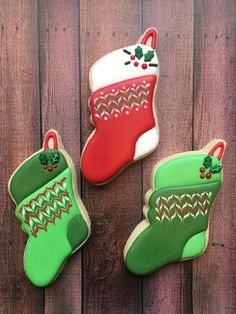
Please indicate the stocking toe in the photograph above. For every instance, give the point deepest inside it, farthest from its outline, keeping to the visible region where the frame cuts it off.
(143, 255)
(44, 258)
(77, 232)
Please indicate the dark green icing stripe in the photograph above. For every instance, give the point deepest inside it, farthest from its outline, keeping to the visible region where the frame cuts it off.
(163, 242)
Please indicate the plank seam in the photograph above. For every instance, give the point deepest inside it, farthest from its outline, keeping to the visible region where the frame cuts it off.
(142, 178)
(81, 147)
(40, 109)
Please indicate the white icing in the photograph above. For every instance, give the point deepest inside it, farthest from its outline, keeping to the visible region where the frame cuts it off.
(112, 69)
(146, 143)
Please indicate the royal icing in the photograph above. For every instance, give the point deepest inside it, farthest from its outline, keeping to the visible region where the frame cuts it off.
(123, 84)
(50, 210)
(118, 66)
(177, 210)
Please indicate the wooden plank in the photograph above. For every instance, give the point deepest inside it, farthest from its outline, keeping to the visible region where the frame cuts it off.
(214, 273)
(60, 96)
(114, 208)
(20, 137)
(169, 289)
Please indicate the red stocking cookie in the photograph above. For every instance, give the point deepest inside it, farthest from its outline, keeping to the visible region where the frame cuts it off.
(123, 86)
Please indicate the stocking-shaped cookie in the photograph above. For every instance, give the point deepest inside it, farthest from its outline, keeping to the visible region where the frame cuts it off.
(123, 85)
(177, 210)
(45, 191)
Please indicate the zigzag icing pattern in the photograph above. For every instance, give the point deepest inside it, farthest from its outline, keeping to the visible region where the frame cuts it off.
(126, 99)
(46, 207)
(182, 206)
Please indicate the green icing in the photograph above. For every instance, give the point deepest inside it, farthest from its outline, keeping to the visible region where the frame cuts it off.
(31, 175)
(55, 158)
(148, 56)
(46, 253)
(43, 158)
(138, 52)
(74, 237)
(215, 169)
(183, 170)
(195, 245)
(178, 213)
(207, 162)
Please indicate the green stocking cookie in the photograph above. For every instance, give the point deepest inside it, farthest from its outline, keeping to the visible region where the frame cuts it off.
(177, 210)
(44, 188)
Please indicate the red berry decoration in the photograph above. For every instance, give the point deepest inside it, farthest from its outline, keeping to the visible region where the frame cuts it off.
(55, 165)
(45, 167)
(49, 168)
(144, 66)
(202, 176)
(202, 169)
(136, 63)
(208, 175)
(132, 57)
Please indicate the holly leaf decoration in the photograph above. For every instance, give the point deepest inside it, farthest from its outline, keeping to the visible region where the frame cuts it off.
(138, 52)
(55, 158)
(207, 162)
(148, 56)
(43, 159)
(215, 169)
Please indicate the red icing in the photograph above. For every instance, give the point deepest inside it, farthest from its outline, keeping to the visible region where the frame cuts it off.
(150, 33)
(121, 112)
(208, 175)
(144, 66)
(55, 166)
(219, 145)
(48, 136)
(202, 169)
(202, 176)
(45, 167)
(132, 57)
(49, 168)
(136, 63)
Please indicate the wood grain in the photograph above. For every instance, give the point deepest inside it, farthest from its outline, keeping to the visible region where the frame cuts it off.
(169, 289)
(46, 51)
(114, 208)
(20, 137)
(60, 97)
(214, 273)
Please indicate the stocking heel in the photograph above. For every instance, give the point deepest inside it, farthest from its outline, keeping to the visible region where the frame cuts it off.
(146, 143)
(75, 238)
(195, 246)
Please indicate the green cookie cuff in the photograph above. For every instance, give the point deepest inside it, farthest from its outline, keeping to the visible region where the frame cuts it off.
(185, 170)
(32, 174)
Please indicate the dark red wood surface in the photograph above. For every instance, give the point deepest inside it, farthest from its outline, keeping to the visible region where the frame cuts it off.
(46, 50)
(169, 290)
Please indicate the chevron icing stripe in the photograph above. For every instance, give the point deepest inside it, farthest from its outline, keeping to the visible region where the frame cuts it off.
(46, 207)
(182, 206)
(125, 99)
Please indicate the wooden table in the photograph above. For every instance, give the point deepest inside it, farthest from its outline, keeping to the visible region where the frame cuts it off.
(46, 51)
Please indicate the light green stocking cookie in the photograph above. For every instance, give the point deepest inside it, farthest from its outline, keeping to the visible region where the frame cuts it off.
(177, 210)
(44, 188)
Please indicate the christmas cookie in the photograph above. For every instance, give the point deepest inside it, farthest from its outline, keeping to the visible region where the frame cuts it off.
(123, 85)
(44, 189)
(177, 210)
